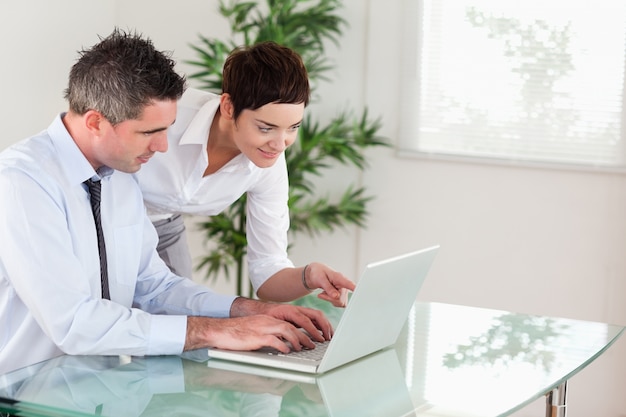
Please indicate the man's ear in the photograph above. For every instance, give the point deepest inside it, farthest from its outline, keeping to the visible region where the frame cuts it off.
(93, 122)
(227, 109)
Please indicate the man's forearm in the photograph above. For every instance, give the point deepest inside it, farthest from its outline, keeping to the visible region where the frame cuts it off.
(242, 307)
(204, 331)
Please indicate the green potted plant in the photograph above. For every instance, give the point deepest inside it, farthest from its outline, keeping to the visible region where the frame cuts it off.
(304, 26)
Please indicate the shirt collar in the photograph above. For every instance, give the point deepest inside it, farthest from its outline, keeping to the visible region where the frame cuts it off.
(239, 163)
(197, 132)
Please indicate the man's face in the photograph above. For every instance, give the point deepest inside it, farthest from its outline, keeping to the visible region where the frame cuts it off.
(131, 143)
(263, 134)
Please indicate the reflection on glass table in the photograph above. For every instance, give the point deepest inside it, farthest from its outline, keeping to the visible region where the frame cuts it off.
(168, 386)
(450, 361)
(481, 362)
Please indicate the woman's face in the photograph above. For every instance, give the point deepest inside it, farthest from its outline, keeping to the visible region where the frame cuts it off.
(263, 134)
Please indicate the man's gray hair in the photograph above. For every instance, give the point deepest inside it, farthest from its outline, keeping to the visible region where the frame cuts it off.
(120, 75)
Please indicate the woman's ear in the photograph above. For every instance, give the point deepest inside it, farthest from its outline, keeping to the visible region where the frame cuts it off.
(227, 109)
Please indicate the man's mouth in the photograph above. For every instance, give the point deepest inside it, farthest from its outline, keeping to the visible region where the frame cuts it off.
(145, 158)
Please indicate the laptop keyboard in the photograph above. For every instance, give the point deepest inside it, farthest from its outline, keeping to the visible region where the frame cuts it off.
(307, 354)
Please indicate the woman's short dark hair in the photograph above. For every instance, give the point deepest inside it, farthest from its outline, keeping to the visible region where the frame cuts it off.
(264, 73)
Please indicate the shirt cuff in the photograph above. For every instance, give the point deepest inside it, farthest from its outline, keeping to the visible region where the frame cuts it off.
(167, 335)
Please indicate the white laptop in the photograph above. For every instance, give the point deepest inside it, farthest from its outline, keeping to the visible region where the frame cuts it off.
(372, 320)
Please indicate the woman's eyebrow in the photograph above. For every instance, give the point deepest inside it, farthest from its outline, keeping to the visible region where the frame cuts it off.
(273, 125)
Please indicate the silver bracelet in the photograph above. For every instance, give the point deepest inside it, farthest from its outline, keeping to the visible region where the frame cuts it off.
(304, 278)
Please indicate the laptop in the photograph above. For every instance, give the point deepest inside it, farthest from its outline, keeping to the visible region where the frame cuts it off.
(372, 320)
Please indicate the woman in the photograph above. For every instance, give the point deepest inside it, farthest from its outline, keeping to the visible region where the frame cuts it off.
(222, 146)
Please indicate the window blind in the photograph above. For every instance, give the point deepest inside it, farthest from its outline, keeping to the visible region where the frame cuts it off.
(533, 80)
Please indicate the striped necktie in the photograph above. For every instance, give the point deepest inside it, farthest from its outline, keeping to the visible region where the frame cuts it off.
(94, 192)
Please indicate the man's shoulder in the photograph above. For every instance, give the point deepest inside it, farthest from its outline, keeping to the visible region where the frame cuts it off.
(27, 154)
(38, 152)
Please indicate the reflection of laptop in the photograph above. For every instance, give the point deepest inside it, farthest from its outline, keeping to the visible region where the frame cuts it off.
(372, 320)
(370, 386)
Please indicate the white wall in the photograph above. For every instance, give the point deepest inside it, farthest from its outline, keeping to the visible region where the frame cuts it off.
(39, 40)
(530, 240)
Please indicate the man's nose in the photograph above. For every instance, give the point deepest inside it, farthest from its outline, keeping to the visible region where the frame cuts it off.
(159, 142)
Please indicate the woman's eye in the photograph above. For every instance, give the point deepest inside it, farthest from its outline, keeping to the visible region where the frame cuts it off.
(264, 129)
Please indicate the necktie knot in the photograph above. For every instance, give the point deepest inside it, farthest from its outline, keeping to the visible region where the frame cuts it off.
(95, 189)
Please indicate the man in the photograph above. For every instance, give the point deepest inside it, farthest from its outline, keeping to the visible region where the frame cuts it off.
(65, 290)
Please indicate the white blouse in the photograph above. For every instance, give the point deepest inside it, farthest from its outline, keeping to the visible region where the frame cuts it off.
(173, 182)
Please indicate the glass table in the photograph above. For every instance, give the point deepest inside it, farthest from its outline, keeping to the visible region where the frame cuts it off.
(450, 360)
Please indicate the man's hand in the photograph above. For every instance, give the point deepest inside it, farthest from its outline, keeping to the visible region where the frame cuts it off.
(255, 324)
(313, 321)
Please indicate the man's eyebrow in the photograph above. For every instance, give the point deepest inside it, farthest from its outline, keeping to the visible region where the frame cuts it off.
(158, 129)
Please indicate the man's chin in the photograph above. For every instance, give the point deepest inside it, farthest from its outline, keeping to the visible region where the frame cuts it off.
(129, 169)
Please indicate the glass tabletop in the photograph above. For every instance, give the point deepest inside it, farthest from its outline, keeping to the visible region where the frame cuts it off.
(449, 361)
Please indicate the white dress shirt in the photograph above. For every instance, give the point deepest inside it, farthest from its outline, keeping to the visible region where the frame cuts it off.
(173, 182)
(50, 300)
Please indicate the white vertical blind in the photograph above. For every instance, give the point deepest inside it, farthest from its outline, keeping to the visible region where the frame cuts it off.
(533, 80)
